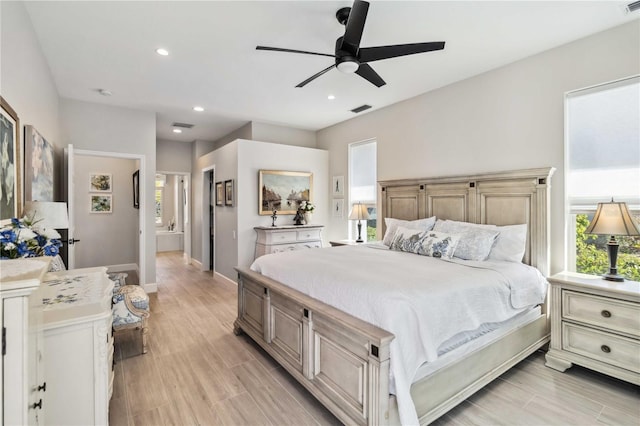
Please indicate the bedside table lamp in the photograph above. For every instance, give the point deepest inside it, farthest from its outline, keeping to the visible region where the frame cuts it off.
(613, 219)
(49, 214)
(359, 212)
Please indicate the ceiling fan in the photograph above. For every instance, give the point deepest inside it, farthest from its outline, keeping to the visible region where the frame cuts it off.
(350, 57)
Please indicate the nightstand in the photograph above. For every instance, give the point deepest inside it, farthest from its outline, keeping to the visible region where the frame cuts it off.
(339, 243)
(596, 324)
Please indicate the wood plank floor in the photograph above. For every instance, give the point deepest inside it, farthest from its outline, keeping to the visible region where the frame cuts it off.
(198, 373)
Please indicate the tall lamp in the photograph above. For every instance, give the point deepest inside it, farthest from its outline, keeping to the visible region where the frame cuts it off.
(359, 212)
(613, 219)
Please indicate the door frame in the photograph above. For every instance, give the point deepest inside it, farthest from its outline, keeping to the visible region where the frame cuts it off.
(187, 229)
(142, 266)
(206, 223)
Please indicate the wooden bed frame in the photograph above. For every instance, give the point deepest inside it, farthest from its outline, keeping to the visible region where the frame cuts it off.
(344, 361)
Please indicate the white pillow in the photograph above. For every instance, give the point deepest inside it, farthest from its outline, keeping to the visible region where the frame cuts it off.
(476, 240)
(392, 226)
(438, 244)
(510, 244)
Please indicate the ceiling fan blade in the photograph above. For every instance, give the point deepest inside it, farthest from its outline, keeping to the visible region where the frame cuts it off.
(355, 26)
(277, 49)
(370, 54)
(366, 72)
(313, 77)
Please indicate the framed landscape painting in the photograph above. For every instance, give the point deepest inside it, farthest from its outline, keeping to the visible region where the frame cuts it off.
(101, 203)
(38, 166)
(219, 194)
(101, 182)
(10, 166)
(283, 191)
(228, 193)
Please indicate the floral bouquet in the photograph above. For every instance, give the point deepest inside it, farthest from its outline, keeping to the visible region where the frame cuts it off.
(24, 238)
(306, 206)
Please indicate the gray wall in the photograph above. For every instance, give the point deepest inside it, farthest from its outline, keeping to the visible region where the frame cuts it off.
(99, 127)
(172, 156)
(244, 132)
(117, 244)
(25, 80)
(283, 135)
(505, 119)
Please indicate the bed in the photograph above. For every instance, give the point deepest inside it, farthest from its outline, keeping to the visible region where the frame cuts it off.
(346, 362)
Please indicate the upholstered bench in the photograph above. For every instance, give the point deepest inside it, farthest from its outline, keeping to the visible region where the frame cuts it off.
(130, 307)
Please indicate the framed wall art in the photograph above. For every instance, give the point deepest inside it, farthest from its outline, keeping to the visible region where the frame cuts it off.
(11, 188)
(38, 166)
(219, 194)
(283, 191)
(338, 207)
(100, 182)
(337, 186)
(136, 189)
(101, 203)
(229, 196)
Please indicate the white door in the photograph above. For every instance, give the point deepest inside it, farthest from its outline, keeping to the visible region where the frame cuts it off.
(69, 172)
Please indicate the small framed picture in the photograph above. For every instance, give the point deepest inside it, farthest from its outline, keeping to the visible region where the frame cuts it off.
(219, 194)
(228, 193)
(338, 207)
(136, 189)
(100, 182)
(101, 203)
(337, 186)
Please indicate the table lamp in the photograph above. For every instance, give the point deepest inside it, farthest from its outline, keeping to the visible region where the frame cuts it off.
(359, 212)
(51, 215)
(613, 219)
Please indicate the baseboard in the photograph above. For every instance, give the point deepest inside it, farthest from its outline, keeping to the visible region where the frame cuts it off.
(196, 263)
(123, 267)
(150, 287)
(224, 278)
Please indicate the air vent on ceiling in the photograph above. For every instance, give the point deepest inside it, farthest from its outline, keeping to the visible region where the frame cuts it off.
(361, 108)
(183, 125)
(632, 7)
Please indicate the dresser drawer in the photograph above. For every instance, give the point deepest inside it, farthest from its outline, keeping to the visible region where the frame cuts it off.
(613, 314)
(280, 237)
(308, 234)
(605, 347)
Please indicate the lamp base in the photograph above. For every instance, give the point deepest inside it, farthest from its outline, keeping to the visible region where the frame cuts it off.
(613, 277)
(612, 249)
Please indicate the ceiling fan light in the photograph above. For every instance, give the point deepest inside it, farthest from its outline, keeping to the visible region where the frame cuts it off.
(348, 67)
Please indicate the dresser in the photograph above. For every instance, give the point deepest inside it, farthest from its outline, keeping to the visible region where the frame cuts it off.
(275, 239)
(596, 324)
(24, 396)
(77, 334)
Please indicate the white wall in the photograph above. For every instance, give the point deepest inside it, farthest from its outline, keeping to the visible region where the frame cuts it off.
(172, 156)
(117, 246)
(506, 119)
(282, 135)
(98, 127)
(26, 82)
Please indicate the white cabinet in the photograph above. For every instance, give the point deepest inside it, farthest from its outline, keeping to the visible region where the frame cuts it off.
(21, 369)
(77, 323)
(596, 324)
(275, 239)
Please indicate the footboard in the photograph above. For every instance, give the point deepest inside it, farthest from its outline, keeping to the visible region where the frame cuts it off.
(343, 361)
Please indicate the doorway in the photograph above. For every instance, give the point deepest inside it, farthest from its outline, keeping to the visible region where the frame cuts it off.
(173, 212)
(208, 219)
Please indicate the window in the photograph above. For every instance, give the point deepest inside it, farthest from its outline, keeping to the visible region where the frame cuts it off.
(602, 162)
(159, 197)
(363, 185)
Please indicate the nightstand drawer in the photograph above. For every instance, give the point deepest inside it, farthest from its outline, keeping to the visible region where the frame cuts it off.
(308, 235)
(608, 348)
(617, 315)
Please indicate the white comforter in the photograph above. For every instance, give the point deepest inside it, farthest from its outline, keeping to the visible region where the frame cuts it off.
(423, 301)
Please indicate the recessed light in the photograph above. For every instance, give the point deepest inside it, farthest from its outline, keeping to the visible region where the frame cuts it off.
(163, 52)
(331, 97)
(177, 131)
(198, 108)
(105, 92)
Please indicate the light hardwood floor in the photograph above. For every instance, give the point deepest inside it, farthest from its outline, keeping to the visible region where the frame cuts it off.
(198, 373)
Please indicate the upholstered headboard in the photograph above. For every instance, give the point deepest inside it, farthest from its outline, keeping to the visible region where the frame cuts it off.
(503, 198)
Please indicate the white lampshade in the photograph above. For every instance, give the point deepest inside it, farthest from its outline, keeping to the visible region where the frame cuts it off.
(613, 219)
(52, 215)
(359, 212)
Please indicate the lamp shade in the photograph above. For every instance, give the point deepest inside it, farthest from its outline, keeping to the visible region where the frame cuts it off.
(359, 212)
(613, 219)
(52, 215)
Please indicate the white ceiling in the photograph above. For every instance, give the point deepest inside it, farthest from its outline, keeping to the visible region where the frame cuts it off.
(213, 61)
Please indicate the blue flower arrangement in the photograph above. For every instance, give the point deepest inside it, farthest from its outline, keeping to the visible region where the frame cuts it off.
(24, 238)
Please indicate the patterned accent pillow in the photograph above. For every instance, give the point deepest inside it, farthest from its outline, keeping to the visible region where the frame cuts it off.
(476, 240)
(407, 239)
(438, 244)
(393, 224)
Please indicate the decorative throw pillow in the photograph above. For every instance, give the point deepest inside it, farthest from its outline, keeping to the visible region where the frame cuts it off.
(476, 240)
(511, 244)
(438, 244)
(392, 226)
(407, 239)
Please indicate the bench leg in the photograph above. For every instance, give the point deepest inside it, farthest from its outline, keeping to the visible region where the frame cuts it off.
(144, 330)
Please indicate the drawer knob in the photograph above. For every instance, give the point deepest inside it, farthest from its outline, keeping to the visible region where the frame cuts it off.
(606, 313)
(606, 349)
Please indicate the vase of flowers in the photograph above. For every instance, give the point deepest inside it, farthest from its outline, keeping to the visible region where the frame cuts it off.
(307, 211)
(24, 238)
